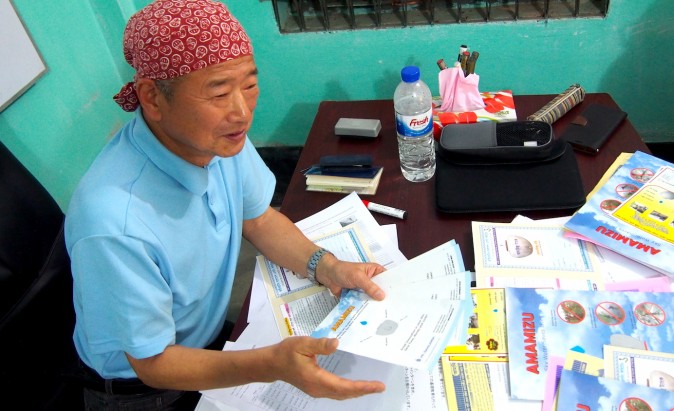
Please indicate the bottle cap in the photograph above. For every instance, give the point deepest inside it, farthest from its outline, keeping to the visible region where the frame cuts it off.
(410, 74)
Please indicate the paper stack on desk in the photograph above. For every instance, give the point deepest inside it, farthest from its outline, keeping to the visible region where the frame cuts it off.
(407, 388)
(633, 213)
(424, 310)
(542, 324)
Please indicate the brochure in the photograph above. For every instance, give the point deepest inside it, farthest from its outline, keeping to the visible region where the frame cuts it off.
(486, 329)
(531, 250)
(579, 391)
(471, 386)
(574, 361)
(649, 368)
(633, 213)
(542, 323)
(425, 304)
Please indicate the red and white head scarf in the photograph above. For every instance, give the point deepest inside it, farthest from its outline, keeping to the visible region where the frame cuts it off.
(170, 38)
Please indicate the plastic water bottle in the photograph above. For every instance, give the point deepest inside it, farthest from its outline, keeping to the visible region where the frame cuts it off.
(414, 125)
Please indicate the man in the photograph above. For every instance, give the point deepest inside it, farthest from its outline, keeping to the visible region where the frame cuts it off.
(154, 228)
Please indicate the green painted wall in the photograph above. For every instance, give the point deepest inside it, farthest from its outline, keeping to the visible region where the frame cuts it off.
(57, 127)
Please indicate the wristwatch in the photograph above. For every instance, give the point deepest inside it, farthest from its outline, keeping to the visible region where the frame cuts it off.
(313, 263)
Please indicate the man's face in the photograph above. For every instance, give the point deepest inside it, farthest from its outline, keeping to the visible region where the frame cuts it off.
(210, 112)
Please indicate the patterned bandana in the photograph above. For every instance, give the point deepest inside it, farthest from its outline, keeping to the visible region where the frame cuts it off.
(170, 38)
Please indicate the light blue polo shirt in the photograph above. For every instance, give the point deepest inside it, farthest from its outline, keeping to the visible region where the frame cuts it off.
(154, 242)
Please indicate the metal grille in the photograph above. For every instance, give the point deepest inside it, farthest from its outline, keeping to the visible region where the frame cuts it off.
(294, 16)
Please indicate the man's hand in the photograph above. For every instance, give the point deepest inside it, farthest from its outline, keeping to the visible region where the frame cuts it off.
(336, 274)
(277, 238)
(294, 360)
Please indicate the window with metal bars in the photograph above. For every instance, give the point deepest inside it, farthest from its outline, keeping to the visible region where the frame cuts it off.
(294, 16)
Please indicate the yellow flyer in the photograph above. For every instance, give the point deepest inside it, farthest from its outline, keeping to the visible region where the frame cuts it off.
(467, 386)
(651, 208)
(486, 329)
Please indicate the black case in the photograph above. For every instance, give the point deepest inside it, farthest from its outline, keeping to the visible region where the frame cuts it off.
(516, 166)
(590, 130)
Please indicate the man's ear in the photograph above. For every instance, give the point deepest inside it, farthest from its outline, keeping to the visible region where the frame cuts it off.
(148, 97)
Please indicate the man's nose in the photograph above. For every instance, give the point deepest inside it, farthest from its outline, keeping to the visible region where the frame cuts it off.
(238, 109)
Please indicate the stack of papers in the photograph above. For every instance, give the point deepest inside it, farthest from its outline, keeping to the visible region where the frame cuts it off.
(632, 213)
(556, 322)
(543, 339)
(431, 289)
(416, 321)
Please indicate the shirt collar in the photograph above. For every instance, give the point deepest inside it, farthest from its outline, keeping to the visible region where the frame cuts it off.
(190, 176)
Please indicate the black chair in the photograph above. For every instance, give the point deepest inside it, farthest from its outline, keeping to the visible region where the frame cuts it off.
(37, 355)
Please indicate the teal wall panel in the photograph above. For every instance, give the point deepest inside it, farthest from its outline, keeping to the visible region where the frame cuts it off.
(57, 127)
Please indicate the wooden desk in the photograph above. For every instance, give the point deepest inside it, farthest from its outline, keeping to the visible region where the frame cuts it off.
(426, 228)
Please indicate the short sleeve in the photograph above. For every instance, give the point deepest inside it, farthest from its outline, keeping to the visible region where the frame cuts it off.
(125, 302)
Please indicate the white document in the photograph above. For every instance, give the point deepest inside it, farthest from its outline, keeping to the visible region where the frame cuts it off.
(298, 304)
(261, 330)
(425, 390)
(647, 368)
(444, 260)
(351, 210)
(533, 254)
(615, 268)
(258, 306)
(407, 389)
(258, 299)
(507, 249)
(283, 396)
(413, 324)
(346, 244)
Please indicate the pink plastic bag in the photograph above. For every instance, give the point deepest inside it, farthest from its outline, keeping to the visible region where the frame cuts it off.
(458, 92)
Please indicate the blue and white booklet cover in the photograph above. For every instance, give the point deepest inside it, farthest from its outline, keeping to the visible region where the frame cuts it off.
(545, 323)
(579, 391)
(633, 213)
(426, 308)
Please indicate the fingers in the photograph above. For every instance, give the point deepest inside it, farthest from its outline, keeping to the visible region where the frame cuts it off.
(338, 388)
(328, 385)
(308, 376)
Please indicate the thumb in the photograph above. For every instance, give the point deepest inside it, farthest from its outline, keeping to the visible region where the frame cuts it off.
(324, 346)
(373, 290)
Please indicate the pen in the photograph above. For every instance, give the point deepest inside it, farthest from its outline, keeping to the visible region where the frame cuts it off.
(470, 64)
(441, 64)
(464, 61)
(462, 50)
(393, 212)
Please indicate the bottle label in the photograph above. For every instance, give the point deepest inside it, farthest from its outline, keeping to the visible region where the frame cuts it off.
(414, 126)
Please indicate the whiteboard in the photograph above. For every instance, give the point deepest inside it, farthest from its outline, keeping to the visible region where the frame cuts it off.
(20, 62)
